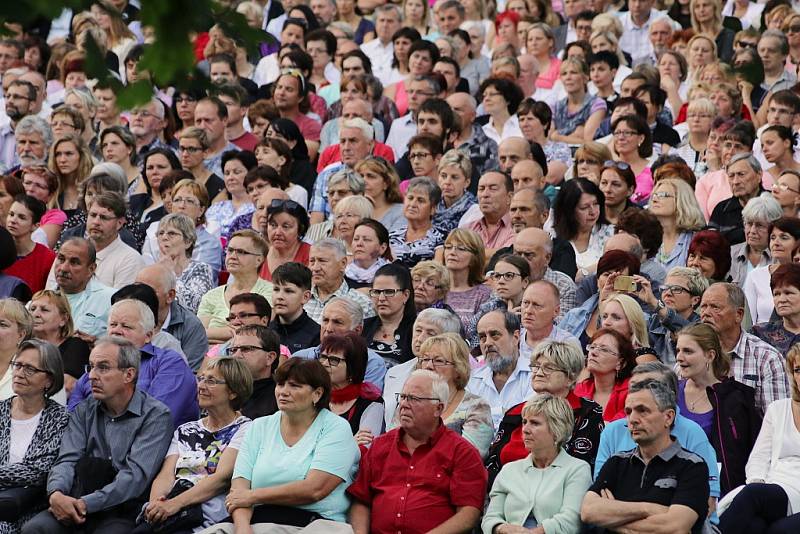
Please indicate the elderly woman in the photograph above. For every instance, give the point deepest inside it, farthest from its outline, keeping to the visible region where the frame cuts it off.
(501, 98)
(348, 213)
(464, 257)
(371, 251)
(42, 184)
(417, 239)
(758, 215)
(579, 217)
(699, 117)
(675, 206)
(304, 449)
(577, 117)
(454, 174)
(199, 463)
(31, 426)
(709, 253)
(52, 322)
(784, 326)
(588, 161)
(177, 237)
(343, 183)
(771, 496)
(465, 413)
(611, 358)
(547, 424)
(388, 333)
(119, 146)
(382, 188)
(287, 224)
(787, 192)
(724, 408)
(431, 282)
(32, 261)
(246, 253)
(784, 236)
(555, 367)
(358, 402)
(71, 162)
(220, 215)
(16, 326)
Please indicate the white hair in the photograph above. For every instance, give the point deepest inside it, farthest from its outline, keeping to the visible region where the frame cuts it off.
(146, 319)
(357, 122)
(439, 388)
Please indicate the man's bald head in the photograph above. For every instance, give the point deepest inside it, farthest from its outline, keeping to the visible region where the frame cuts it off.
(627, 242)
(358, 107)
(527, 173)
(465, 106)
(536, 246)
(513, 150)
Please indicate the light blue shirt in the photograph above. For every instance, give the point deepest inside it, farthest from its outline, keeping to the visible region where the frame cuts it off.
(90, 307)
(376, 366)
(328, 445)
(516, 390)
(557, 334)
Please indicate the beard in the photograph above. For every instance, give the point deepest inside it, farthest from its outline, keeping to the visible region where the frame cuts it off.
(14, 114)
(500, 363)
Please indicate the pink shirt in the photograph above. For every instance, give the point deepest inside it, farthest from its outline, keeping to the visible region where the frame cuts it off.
(713, 187)
(501, 236)
(644, 186)
(547, 79)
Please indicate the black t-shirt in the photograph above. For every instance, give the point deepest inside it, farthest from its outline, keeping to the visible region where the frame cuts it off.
(262, 402)
(675, 476)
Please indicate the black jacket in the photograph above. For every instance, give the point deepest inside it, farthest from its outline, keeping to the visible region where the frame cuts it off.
(404, 331)
(300, 334)
(262, 402)
(735, 429)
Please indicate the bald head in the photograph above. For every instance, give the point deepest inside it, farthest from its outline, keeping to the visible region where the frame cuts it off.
(162, 280)
(528, 73)
(463, 105)
(626, 242)
(527, 173)
(357, 107)
(511, 151)
(536, 246)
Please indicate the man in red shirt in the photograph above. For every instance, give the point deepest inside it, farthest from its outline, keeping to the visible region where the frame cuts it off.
(420, 476)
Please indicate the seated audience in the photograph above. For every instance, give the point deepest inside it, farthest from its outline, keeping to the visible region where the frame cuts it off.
(371, 251)
(287, 224)
(258, 347)
(782, 332)
(17, 326)
(290, 291)
(464, 256)
(389, 332)
(417, 239)
(33, 260)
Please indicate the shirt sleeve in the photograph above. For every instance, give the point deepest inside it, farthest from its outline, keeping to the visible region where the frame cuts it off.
(73, 446)
(692, 490)
(469, 479)
(174, 385)
(336, 451)
(361, 488)
(248, 452)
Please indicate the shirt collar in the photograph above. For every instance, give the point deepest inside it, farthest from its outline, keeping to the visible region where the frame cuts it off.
(432, 440)
(741, 345)
(667, 454)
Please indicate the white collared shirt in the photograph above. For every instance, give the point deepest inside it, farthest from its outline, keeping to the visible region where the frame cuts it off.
(635, 39)
(402, 130)
(516, 390)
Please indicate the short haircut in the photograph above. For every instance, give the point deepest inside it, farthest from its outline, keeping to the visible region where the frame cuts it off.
(712, 244)
(234, 91)
(510, 91)
(267, 337)
(321, 34)
(657, 95)
(307, 372)
(222, 109)
(604, 56)
(453, 345)
(184, 225)
(355, 182)
(445, 320)
(333, 244)
(34, 124)
(697, 283)
(143, 298)
(617, 260)
(427, 141)
(353, 309)
(292, 273)
(15, 311)
(128, 355)
(259, 302)
(34, 205)
(440, 391)
(91, 251)
(49, 361)
(430, 187)
(763, 209)
(511, 321)
(643, 225)
(441, 108)
(556, 411)
(568, 357)
(112, 201)
(662, 393)
(255, 238)
(237, 377)
(435, 270)
(627, 355)
(353, 347)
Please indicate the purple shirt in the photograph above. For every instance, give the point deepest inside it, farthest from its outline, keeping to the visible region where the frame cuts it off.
(705, 420)
(165, 376)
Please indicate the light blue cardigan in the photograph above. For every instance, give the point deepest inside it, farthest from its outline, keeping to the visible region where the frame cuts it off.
(553, 495)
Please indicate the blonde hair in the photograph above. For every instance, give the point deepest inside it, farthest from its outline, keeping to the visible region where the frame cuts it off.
(717, 22)
(58, 300)
(635, 316)
(556, 411)
(477, 259)
(792, 360)
(688, 216)
(357, 203)
(433, 269)
(15, 311)
(708, 340)
(606, 22)
(199, 191)
(454, 346)
(703, 105)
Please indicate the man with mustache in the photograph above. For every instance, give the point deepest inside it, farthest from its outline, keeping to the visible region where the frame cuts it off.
(20, 98)
(505, 379)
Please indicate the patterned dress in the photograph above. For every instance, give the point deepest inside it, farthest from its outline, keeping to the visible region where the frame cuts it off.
(194, 282)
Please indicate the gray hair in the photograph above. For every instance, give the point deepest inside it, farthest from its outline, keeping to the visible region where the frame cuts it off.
(84, 95)
(568, 357)
(185, 226)
(146, 319)
(166, 276)
(556, 411)
(762, 208)
(386, 8)
(34, 124)
(352, 307)
(445, 320)
(91, 250)
(355, 182)
(430, 187)
(343, 27)
(749, 158)
(439, 388)
(357, 122)
(476, 24)
(662, 393)
(666, 374)
(49, 361)
(696, 281)
(128, 355)
(735, 293)
(159, 107)
(114, 170)
(433, 83)
(333, 244)
(780, 36)
(456, 158)
(359, 204)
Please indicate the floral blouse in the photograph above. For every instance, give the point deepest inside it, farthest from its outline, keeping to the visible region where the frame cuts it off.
(194, 282)
(220, 216)
(414, 252)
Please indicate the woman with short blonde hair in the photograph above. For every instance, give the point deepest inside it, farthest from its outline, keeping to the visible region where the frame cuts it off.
(431, 281)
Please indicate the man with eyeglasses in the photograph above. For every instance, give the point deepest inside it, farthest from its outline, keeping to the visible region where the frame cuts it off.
(245, 309)
(19, 99)
(540, 308)
(112, 448)
(258, 347)
(449, 478)
(404, 128)
(147, 125)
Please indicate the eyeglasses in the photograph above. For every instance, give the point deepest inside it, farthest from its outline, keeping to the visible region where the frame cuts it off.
(186, 200)
(785, 187)
(101, 369)
(333, 361)
(27, 370)
(745, 44)
(241, 252)
(388, 293)
(190, 149)
(663, 194)
(625, 133)
(675, 290)
(459, 248)
(244, 349)
(61, 124)
(427, 283)
(17, 97)
(419, 155)
(611, 164)
(412, 399)
(586, 162)
(546, 369)
(794, 28)
(290, 206)
(168, 233)
(436, 362)
(209, 382)
(503, 276)
(600, 349)
(241, 316)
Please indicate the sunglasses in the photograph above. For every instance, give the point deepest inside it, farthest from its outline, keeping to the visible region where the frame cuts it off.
(611, 164)
(278, 206)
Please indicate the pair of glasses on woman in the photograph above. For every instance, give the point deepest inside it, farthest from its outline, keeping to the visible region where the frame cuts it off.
(611, 164)
(278, 205)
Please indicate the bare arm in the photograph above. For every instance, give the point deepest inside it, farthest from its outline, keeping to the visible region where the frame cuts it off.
(359, 517)
(165, 478)
(610, 513)
(464, 519)
(677, 519)
(316, 486)
(317, 217)
(52, 231)
(241, 516)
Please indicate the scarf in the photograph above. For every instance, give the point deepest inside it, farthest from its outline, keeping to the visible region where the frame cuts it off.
(366, 276)
(365, 390)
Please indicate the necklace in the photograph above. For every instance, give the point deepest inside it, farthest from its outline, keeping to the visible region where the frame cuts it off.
(693, 403)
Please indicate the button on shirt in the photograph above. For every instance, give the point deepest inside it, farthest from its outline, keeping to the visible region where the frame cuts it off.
(516, 389)
(499, 236)
(760, 366)
(381, 56)
(416, 492)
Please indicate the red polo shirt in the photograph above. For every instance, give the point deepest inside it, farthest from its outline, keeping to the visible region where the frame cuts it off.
(415, 493)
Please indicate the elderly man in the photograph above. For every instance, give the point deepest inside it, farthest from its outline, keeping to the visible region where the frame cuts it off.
(342, 315)
(525, 173)
(356, 141)
(258, 347)
(773, 48)
(660, 34)
(327, 261)
(528, 74)
(753, 362)
(404, 128)
(118, 262)
(495, 190)
(536, 246)
(331, 150)
(33, 139)
(173, 317)
(616, 438)
(324, 11)
(388, 19)
(89, 299)
(163, 373)
(540, 307)
(449, 478)
(111, 451)
(511, 151)
(211, 114)
(504, 380)
(744, 177)
(430, 322)
(630, 490)
(147, 126)
(471, 138)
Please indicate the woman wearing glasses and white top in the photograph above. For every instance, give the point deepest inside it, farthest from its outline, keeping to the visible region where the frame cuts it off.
(389, 332)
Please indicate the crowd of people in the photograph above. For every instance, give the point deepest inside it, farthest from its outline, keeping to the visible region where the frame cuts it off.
(510, 267)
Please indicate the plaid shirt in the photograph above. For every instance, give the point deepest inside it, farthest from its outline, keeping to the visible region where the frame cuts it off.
(315, 306)
(319, 197)
(567, 290)
(482, 150)
(758, 365)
